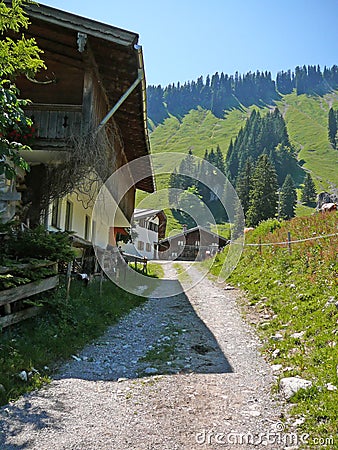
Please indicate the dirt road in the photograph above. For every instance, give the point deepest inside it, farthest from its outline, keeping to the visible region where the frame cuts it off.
(181, 372)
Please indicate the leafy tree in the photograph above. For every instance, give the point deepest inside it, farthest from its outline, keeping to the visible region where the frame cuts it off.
(14, 128)
(17, 56)
(288, 198)
(333, 127)
(263, 193)
(308, 193)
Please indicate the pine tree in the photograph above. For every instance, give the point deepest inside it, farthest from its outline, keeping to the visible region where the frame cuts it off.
(219, 161)
(187, 166)
(232, 161)
(333, 128)
(308, 193)
(263, 193)
(243, 185)
(288, 199)
(173, 185)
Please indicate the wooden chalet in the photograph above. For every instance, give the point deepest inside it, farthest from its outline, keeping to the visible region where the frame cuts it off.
(94, 85)
(195, 244)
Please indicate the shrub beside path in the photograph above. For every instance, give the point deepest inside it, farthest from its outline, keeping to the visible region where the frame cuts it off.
(181, 372)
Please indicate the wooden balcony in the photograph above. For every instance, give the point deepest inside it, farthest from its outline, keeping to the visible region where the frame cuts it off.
(55, 125)
(55, 122)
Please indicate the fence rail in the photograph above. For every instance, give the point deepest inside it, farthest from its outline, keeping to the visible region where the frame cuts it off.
(12, 307)
(296, 241)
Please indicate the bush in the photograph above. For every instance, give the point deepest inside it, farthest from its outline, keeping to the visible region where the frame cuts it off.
(39, 243)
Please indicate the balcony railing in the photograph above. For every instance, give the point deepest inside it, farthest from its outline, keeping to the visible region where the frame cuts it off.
(55, 122)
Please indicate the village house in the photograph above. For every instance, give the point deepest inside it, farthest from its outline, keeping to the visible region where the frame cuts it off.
(195, 244)
(89, 112)
(148, 228)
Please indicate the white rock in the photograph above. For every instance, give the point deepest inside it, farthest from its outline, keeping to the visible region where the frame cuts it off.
(255, 413)
(298, 335)
(23, 376)
(299, 421)
(331, 387)
(276, 367)
(150, 370)
(275, 353)
(120, 380)
(277, 337)
(290, 385)
(76, 358)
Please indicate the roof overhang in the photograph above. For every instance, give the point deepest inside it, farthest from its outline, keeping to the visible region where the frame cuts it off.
(119, 62)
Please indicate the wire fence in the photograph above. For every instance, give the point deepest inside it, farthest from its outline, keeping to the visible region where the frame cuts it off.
(296, 241)
(289, 242)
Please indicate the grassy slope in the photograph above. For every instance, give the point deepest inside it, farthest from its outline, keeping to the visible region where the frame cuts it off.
(199, 130)
(307, 120)
(288, 294)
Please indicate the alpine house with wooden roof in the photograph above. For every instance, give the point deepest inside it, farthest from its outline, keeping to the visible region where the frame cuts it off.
(89, 111)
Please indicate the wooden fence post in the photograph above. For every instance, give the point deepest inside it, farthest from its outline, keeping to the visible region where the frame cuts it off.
(289, 243)
(260, 246)
(69, 278)
(101, 282)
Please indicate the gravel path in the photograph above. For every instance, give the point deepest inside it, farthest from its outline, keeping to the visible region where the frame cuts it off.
(181, 372)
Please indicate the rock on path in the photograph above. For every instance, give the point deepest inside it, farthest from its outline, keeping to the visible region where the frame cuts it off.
(182, 372)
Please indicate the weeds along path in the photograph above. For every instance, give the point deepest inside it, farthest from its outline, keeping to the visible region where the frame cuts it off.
(182, 372)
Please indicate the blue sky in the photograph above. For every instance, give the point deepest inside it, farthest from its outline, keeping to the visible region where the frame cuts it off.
(184, 39)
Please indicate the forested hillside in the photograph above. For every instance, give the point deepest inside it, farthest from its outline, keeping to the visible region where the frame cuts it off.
(225, 92)
(200, 115)
(292, 122)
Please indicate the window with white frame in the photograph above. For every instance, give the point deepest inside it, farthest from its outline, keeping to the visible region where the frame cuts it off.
(69, 216)
(56, 208)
